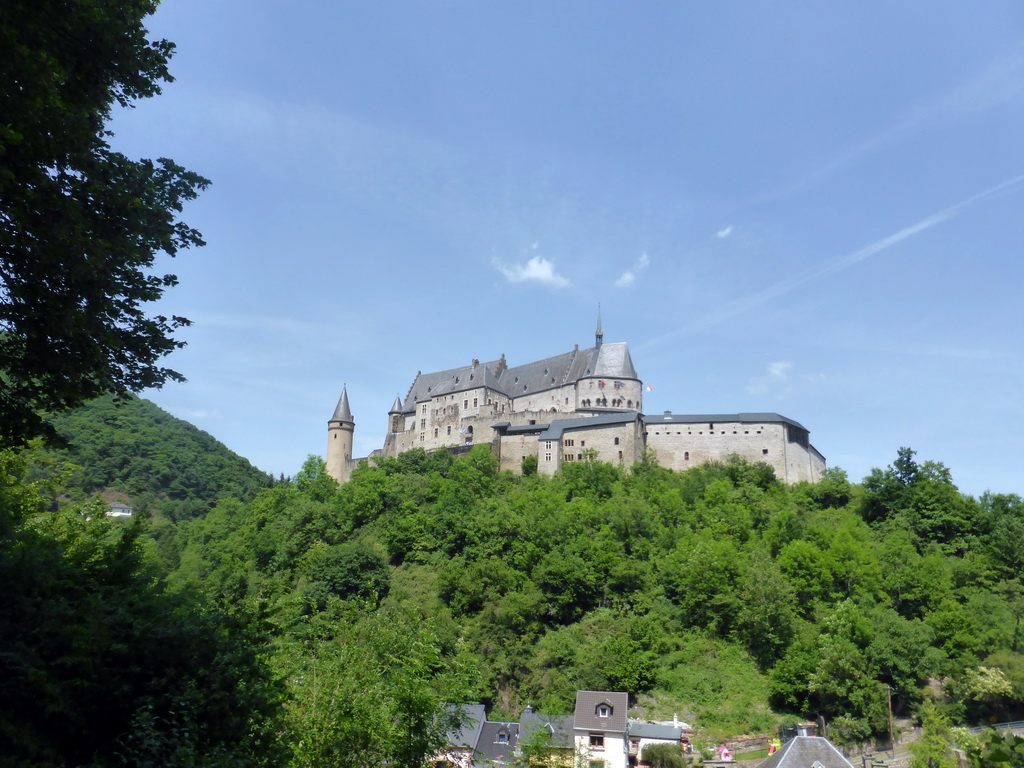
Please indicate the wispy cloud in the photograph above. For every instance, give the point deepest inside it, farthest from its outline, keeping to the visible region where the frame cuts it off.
(1000, 83)
(774, 379)
(538, 269)
(846, 261)
(724, 232)
(628, 277)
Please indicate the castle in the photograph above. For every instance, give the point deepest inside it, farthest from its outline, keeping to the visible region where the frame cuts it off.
(584, 403)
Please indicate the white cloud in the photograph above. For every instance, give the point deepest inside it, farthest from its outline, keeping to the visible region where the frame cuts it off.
(538, 269)
(724, 232)
(774, 381)
(835, 264)
(628, 277)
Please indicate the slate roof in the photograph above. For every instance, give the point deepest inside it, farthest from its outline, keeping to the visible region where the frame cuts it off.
(655, 731)
(697, 418)
(342, 412)
(556, 428)
(587, 718)
(807, 752)
(610, 360)
(559, 726)
(474, 717)
(489, 749)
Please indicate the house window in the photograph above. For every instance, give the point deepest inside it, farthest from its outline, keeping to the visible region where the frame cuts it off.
(503, 738)
(603, 710)
(597, 741)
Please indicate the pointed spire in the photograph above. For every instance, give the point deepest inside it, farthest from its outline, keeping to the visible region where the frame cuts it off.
(599, 336)
(343, 412)
(397, 407)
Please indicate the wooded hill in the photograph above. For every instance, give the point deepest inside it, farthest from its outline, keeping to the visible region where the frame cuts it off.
(315, 624)
(165, 466)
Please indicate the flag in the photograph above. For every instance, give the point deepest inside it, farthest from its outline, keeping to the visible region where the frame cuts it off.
(649, 389)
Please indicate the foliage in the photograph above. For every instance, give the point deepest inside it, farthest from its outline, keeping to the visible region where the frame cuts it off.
(664, 756)
(135, 450)
(100, 665)
(996, 749)
(80, 224)
(934, 750)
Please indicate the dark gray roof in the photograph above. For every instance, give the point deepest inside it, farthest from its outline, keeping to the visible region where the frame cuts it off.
(804, 752)
(558, 726)
(473, 717)
(696, 418)
(342, 412)
(490, 749)
(606, 360)
(556, 428)
(655, 731)
(587, 703)
(396, 407)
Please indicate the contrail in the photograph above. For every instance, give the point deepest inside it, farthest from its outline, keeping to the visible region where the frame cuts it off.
(842, 262)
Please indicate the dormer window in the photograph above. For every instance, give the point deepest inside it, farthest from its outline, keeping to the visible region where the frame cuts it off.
(603, 710)
(502, 737)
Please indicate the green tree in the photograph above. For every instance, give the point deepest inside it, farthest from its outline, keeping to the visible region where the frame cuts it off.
(80, 224)
(934, 750)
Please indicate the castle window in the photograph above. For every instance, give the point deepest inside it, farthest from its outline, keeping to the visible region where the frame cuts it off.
(474, 402)
(423, 408)
(583, 443)
(764, 451)
(616, 441)
(422, 437)
(711, 426)
(449, 428)
(465, 403)
(547, 457)
(423, 423)
(435, 431)
(686, 455)
(620, 455)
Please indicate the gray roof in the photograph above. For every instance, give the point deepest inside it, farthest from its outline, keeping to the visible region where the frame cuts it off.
(556, 428)
(489, 749)
(655, 731)
(587, 703)
(610, 360)
(805, 752)
(559, 726)
(697, 418)
(342, 412)
(473, 717)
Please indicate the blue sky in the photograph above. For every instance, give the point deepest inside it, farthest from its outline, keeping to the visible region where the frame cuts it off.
(803, 207)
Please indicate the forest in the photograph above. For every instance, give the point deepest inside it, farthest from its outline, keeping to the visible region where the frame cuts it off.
(303, 623)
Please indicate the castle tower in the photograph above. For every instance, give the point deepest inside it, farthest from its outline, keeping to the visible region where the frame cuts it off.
(395, 416)
(340, 429)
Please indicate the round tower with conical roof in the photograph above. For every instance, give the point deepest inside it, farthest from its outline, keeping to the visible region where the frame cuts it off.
(340, 430)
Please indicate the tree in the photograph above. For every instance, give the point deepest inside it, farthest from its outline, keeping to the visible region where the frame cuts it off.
(934, 750)
(80, 224)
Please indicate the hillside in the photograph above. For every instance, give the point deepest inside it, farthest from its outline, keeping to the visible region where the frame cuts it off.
(136, 451)
(718, 593)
